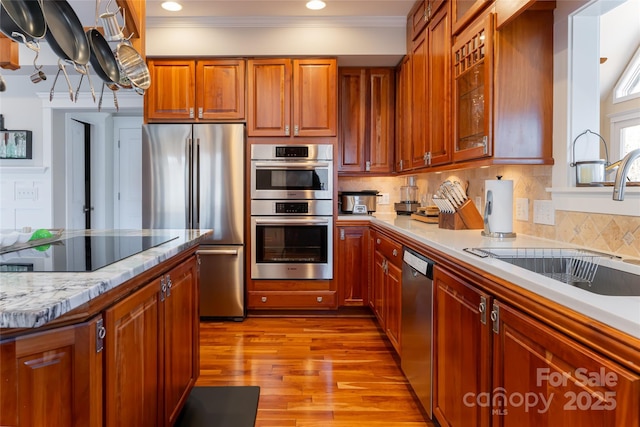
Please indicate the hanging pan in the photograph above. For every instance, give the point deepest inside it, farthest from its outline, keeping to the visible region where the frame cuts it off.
(67, 39)
(23, 21)
(133, 69)
(104, 63)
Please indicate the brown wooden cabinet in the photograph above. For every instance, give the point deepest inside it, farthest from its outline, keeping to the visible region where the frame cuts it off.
(181, 326)
(53, 378)
(497, 366)
(195, 90)
(462, 350)
(500, 115)
(152, 349)
(564, 383)
(292, 97)
(366, 120)
(387, 286)
(429, 104)
(404, 125)
(352, 257)
(463, 12)
(421, 14)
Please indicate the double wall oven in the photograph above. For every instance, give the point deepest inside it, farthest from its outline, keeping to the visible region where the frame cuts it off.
(292, 211)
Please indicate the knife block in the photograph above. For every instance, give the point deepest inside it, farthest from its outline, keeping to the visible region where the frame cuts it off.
(466, 217)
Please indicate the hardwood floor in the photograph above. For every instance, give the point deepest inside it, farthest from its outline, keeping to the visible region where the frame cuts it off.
(312, 372)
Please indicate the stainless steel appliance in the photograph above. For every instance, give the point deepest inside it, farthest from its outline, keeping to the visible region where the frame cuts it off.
(408, 198)
(193, 177)
(292, 171)
(357, 202)
(291, 239)
(417, 325)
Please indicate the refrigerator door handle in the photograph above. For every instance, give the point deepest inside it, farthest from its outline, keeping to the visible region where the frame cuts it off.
(217, 252)
(196, 195)
(189, 190)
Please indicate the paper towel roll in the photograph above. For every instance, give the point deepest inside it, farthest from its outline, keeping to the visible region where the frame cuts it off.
(501, 216)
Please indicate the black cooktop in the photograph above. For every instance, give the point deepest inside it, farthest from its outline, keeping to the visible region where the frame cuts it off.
(79, 254)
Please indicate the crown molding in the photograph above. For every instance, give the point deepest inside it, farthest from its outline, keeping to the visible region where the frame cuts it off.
(277, 22)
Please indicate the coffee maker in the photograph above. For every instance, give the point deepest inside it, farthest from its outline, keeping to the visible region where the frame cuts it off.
(408, 197)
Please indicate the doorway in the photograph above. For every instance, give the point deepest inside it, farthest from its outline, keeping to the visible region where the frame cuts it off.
(80, 208)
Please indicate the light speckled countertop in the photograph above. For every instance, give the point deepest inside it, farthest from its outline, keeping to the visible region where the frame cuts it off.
(29, 300)
(620, 312)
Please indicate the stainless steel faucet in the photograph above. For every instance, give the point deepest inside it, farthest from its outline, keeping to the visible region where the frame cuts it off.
(623, 172)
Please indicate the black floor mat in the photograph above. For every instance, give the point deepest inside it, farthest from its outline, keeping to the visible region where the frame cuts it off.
(226, 406)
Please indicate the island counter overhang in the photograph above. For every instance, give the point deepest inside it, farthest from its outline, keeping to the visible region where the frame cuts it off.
(30, 301)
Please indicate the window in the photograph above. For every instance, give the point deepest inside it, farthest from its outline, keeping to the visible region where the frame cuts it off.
(629, 84)
(626, 137)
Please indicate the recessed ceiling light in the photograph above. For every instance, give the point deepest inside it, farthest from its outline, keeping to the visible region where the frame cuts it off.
(316, 4)
(171, 6)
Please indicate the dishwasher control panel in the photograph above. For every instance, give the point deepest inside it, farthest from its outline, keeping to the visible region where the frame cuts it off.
(418, 263)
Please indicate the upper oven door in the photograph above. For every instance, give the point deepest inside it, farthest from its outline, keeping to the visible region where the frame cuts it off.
(291, 179)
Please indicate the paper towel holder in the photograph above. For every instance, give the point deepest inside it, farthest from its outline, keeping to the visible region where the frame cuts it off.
(488, 209)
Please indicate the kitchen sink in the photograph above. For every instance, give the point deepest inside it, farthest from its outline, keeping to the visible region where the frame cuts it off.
(574, 267)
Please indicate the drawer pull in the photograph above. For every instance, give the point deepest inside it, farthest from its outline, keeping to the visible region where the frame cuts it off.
(378, 241)
(319, 299)
(263, 299)
(395, 252)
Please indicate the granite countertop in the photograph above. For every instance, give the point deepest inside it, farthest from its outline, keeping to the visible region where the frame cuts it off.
(619, 312)
(30, 299)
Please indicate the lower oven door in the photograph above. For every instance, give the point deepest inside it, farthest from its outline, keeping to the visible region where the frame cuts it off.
(291, 247)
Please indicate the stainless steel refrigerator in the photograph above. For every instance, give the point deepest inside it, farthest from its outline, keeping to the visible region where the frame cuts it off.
(193, 177)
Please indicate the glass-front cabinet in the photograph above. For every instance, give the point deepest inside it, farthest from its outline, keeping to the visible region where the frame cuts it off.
(472, 90)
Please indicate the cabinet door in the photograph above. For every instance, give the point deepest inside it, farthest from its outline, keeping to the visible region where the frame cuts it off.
(353, 115)
(403, 115)
(269, 97)
(132, 368)
(473, 91)
(463, 349)
(418, 17)
(393, 292)
(52, 378)
(465, 10)
(172, 94)
(381, 93)
(439, 87)
(562, 382)
(220, 89)
(379, 277)
(181, 336)
(315, 97)
(419, 104)
(353, 272)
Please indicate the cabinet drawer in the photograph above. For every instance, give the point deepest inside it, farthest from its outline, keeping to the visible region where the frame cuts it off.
(390, 249)
(322, 300)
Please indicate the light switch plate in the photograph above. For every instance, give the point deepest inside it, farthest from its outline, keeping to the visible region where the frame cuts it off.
(522, 209)
(543, 212)
(384, 199)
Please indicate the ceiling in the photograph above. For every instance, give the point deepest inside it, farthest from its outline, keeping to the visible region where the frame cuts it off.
(198, 10)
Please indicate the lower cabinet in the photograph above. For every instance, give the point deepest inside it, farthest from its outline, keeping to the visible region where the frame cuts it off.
(53, 378)
(498, 366)
(132, 365)
(352, 262)
(151, 350)
(387, 286)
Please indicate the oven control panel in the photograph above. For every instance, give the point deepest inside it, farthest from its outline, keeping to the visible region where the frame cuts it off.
(292, 208)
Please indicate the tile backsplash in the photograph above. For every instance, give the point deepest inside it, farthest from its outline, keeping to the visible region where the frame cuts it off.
(617, 234)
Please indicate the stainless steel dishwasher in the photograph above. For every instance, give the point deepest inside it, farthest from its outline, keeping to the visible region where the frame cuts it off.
(417, 325)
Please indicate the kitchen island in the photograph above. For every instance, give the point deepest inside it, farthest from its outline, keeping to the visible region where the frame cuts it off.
(115, 346)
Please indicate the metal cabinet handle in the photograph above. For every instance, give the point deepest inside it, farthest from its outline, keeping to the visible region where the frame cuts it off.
(286, 130)
(296, 130)
(318, 299)
(378, 241)
(263, 299)
(200, 112)
(395, 252)
(169, 284)
(482, 308)
(191, 113)
(163, 289)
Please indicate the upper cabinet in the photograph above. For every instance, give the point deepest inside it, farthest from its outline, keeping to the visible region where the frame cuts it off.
(366, 120)
(292, 97)
(195, 90)
(503, 90)
(426, 79)
(421, 14)
(464, 11)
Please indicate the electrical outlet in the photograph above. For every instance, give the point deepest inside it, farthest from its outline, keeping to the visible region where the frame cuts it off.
(26, 193)
(543, 212)
(384, 199)
(522, 209)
